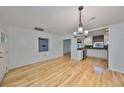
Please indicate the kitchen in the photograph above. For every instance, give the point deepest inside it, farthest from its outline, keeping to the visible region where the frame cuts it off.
(94, 45)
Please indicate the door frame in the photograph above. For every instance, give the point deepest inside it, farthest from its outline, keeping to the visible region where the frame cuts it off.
(70, 46)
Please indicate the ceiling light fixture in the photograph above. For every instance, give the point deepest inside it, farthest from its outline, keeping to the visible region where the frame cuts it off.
(80, 33)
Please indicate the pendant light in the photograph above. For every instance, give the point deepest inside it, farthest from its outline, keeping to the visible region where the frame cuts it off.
(80, 29)
(80, 33)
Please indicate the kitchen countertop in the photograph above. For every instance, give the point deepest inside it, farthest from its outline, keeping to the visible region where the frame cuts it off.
(91, 48)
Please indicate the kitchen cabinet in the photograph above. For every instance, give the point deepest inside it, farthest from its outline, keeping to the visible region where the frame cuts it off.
(106, 39)
(88, 40)
(98, 53)
(79, 55)
(98, 38)
(105, 55)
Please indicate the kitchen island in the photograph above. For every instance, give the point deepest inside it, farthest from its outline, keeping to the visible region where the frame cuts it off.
(92, 52)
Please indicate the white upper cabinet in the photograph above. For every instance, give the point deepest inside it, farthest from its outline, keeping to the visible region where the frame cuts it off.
(88, 41)
(106, 39)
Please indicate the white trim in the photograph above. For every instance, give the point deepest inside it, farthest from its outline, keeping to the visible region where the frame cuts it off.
(95, 29)
(116, 70)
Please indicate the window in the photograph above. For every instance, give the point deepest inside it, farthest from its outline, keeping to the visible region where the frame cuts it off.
(43, 44)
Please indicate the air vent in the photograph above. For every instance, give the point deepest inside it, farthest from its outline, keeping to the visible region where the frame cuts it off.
(92, 18)
(39, 29)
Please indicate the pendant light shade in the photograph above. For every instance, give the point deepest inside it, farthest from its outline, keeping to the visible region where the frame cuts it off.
(80, 28)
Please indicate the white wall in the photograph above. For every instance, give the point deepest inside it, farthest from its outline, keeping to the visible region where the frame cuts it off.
(3, 54)
(23, 46)
(4, 28)
(116, 47)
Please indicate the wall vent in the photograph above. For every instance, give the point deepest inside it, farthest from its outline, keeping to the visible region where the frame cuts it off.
(38, 29)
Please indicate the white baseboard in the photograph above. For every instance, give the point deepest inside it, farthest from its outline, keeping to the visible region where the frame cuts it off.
(116, 70)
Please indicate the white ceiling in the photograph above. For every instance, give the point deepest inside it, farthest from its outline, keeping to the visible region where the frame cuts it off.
(60, 19)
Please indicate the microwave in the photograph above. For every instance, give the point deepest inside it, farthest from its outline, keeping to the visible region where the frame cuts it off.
(98, 44)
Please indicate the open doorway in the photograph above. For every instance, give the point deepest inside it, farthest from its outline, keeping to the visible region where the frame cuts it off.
(67, 47)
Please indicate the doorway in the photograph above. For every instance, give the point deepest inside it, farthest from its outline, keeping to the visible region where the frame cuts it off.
(67, 47)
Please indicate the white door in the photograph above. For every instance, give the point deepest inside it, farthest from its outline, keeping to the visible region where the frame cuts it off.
(3, 53)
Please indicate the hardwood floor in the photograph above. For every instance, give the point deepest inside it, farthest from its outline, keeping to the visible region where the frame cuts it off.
(63, 72)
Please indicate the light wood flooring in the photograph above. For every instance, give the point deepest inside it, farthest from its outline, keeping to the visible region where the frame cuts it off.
(63, 72)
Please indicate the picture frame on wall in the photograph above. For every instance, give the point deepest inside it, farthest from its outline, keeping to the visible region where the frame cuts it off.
(43, 44)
